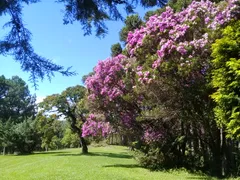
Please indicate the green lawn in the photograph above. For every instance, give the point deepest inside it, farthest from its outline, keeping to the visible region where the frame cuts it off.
(110, 163)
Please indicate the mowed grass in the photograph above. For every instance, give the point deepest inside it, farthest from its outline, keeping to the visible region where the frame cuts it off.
(108, 163)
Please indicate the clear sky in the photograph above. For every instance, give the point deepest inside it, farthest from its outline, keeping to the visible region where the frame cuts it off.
(63, 44)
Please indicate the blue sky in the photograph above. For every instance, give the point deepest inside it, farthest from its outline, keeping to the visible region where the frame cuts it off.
(63, 44)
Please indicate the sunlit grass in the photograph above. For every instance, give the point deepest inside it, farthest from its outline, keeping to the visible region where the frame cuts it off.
(110, 163)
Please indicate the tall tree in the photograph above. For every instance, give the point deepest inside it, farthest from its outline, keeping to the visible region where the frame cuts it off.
(116, 49)
(226, 79)
(50, 130)
(16, 102)
(69, 104)
(25, 137)
(130, 24)
(6, 135)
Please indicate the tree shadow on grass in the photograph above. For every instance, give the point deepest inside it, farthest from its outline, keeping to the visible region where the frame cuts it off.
(111, 155)
(124, 165)
(43, 153)
(193, 174)
(54, 152)
(200, 178)
(40, 153)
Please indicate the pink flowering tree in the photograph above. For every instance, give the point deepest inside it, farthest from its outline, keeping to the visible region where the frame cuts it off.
(174, 49)
(95, 126)
(110, 92)
(162, 89)
(172, 53)
(178, 42)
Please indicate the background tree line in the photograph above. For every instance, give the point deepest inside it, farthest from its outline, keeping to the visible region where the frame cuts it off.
(23, 128)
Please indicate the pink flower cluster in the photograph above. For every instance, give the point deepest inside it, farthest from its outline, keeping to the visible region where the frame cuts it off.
(151, 135)
(94, 127)
(127, 119)
(144, 77)
(174, 31)
(105, 83)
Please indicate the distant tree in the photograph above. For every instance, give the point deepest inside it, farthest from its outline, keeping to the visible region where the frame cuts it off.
(50, 129)
(179, 5)
(69, 104)
(86, 76)
(25, 137)
(70, 139)
(4, 87)
(130, 24)
(5, 135)
(16, 102)
(116, 49)
(1, 136)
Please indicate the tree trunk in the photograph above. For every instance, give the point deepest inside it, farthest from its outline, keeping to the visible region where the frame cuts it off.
(111, 142)
(84, 145)
(78, 130)
(4, 150)
(222, 148)
(217, 149)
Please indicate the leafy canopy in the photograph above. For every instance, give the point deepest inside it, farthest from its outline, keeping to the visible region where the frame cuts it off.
(16, 101)
(226, 79)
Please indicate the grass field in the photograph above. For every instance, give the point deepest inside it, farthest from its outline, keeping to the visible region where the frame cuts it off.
(108, 163)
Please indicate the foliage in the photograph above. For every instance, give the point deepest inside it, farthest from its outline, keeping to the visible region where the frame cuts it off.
(107, 88)
(110, 96)
(69, 104)
(116, 49)
(16, 102)
(21, 137)
(5, 135)
(130, 24)
(17, 44)
(70, 139)
(179, 5)
(153, 160)
(173, 58)
(176, 5)
(89, 12)
(50, 130)
(17, 111)
(84, 78)
(25, 138)
(95, 127)
(102, 84)
(226, 79)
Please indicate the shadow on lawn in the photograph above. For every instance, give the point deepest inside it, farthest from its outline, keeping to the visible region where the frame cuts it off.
(124, 166)
(111, 155)
(50, 153)
(42, 153)
(200, 178)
